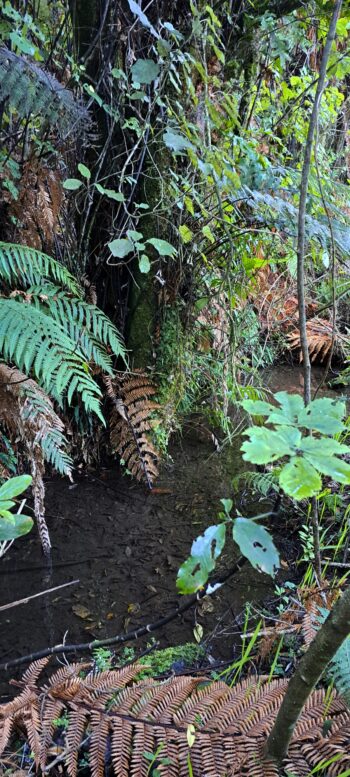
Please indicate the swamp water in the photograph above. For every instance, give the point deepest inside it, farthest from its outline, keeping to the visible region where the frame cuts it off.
(124, 546)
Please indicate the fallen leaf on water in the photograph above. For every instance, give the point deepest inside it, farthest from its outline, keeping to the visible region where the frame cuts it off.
(81, 611)
(205, 606)
(110, 615)
(198, 632)
(93, 626)
(134, 607)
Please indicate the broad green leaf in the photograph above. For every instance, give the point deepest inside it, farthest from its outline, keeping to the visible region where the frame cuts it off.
(185, 233)
(7, 515)
(265, 445)
(11, 530)
(121, 247)
(113, 195)
(324, 415)
(144, 264)
(291, 406)
(208, 233)
(201, 303)
(194, 572)
(299, 479)
(134, 235)
(255, 543)
(144, 71)
(257, 407)
(177, 142)
(72, 184)
(322, 454)
(15, 486)
(189, 205)
(137, 10)
(162, 246)
(83, 170)
(6, 504)
(325, 446)
(228, 505)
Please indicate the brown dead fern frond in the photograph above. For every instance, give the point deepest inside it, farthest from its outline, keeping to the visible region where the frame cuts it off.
(36, 210)
(131, 420)
(113, 712)
(319, 338)
(28, 415)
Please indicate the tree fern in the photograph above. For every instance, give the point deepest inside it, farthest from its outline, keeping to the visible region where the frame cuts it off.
(85, 324)
(58, 334)
(26, 266)
(37, 343)
(30, 89)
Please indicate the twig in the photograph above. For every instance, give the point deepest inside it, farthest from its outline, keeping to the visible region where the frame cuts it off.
(130, 635)
(35, 596)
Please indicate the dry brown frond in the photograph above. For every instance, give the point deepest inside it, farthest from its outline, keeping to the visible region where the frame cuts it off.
(31, 425)
(231, 724)
(319, 338)
(37, 208)
(131, 419)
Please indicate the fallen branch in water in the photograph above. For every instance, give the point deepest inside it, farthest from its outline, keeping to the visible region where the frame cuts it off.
(35, 596)
(130, 635)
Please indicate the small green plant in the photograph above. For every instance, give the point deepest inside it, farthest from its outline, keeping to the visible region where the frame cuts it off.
(103, 658)
(155, 760)
(13, 525)
(302, 458)
(253, 540)
(180, 656)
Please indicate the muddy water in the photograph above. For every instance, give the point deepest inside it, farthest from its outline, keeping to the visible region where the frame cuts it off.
(124, 546)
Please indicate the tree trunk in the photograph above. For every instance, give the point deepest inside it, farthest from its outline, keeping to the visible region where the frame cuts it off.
(311, 667)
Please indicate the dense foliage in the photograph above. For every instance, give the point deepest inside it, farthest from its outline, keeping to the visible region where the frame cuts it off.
(174, 211)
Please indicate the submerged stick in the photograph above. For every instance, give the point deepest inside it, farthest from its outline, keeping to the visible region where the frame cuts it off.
(35, 596)
(130, 635)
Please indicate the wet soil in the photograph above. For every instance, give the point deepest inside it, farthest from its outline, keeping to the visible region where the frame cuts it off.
(124, 545)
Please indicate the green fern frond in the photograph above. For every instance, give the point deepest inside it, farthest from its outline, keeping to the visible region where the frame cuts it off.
(26, 266)
(30, 89)
(261, 482)
(37, 343)
(85, 324)
(51, 439)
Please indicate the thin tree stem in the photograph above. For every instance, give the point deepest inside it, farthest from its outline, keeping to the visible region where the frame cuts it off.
(325, 645)
(336, 628)
(313, 123)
